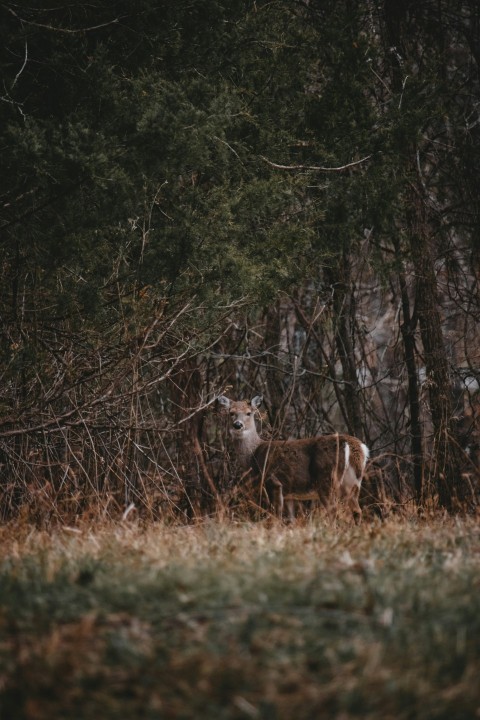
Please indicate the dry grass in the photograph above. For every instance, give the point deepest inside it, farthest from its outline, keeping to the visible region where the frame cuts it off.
(224, 620)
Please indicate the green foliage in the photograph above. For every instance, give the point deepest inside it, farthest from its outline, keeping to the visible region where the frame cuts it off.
(154, 154)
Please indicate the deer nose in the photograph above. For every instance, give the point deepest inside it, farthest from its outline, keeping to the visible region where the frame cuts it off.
(238, 425)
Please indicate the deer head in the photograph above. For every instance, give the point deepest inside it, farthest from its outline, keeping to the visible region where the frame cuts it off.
(242, 414)
(243, 429)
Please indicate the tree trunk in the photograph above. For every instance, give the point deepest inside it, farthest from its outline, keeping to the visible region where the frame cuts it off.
(446, 464)
(407, 328)
(339, 277)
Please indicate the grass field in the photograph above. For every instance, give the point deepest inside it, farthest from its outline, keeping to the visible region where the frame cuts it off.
(224, 620)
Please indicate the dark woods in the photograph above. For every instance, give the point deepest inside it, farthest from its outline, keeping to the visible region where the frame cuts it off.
(277, 198)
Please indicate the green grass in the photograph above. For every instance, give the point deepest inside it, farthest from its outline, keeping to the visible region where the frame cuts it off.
(241, 621)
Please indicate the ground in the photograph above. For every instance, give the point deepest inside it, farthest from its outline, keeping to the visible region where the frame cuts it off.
(245, 620)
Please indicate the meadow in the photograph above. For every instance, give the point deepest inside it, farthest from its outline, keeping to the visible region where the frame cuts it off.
(241, 620)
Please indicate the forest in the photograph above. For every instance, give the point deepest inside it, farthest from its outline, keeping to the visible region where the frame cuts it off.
(201, 198)
(203, 202)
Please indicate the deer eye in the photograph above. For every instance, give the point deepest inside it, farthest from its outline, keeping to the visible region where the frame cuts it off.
(248, 414)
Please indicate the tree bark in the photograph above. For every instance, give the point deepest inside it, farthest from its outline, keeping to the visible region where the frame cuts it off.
(446, 462)
(339, 276)
(407, 328)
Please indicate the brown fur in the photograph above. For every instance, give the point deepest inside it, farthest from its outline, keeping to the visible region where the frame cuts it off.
(298, 469)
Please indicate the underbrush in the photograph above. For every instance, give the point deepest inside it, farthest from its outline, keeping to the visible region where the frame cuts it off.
(251, 620)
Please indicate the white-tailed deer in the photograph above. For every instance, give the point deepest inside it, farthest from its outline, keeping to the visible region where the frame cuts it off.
(321, 467)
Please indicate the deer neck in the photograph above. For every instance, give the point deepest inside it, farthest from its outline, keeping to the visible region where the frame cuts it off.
(245, 443)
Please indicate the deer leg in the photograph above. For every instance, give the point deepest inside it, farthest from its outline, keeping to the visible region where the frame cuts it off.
(278, 498)
(326, 502)
(354, 505)
(290, 510)
(351, 490)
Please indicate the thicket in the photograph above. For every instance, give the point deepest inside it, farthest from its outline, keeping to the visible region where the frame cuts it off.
(206, 197)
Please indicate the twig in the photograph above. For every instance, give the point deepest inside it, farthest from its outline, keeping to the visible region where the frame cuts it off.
(64, 30)
(23, 66)
(316, 168)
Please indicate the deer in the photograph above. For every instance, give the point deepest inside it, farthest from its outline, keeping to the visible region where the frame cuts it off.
(321, 467)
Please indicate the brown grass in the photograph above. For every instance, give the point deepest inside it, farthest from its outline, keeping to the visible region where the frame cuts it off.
(241, 620)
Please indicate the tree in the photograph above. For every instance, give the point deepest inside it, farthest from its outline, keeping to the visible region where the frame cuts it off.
(200, 193)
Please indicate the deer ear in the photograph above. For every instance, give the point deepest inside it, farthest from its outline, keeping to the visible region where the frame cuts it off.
(223, 401)
(257, 401)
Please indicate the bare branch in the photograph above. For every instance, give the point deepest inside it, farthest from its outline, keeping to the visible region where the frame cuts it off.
(316, 168)
(23, 66)
(64, 30)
